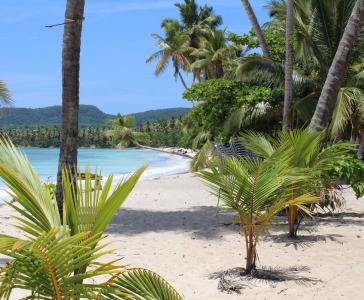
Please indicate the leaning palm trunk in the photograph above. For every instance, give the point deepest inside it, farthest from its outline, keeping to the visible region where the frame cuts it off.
(288, 78)
(326, 104)
(70, 92)
(257, 29)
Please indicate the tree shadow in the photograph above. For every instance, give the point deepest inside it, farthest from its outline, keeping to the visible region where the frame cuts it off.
(202, 221)
(235, 279)
(303, 241)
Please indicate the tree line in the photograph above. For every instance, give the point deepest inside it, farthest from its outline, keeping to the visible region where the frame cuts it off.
(160, 134)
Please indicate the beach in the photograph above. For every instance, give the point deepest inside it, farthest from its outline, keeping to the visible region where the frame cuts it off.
(169, 225)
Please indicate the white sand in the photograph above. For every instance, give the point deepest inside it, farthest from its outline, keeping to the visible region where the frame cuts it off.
(168, 225)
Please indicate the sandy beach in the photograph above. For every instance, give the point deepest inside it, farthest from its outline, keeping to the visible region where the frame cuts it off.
(168, 225)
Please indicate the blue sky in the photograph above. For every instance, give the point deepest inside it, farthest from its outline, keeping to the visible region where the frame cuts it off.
(115, 44)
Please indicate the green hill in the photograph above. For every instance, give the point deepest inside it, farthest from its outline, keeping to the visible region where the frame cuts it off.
(159, 114)
(89, 116)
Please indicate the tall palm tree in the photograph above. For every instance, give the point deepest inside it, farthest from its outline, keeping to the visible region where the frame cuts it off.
(326, 104)
(191, 16)
(70, 91)
(122, 132)
(318, 28)
(196, 22)
(257, 28)
(174, 47)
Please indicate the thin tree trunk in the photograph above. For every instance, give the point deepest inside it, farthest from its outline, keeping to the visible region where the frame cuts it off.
(310, 32)
(219, 69)
(288, 79)
(326, 104)
(257, 29)
(182, 80)
(250, 256)
(70, 92)
(360, 142)
(292, 216)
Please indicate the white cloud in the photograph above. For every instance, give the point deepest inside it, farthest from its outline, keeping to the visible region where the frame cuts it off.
(109, 8)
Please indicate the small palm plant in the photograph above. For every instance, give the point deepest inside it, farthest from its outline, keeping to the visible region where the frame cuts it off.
(307, 154)
(256, 189)
(57, 257)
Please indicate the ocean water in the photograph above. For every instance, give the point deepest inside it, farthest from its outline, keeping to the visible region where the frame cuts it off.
(110, 161)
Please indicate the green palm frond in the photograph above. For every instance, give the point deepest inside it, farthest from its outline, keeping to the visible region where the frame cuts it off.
(141, 137)
(257, 143)
(5, 95)
(123, 143)
(306, 106)
(26, 188)
(141, 284)
(37, 264)
(94, 209)
(201, 158)
(246, 115)
(348, 101)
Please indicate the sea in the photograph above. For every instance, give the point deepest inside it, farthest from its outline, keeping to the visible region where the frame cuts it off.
(109, 161)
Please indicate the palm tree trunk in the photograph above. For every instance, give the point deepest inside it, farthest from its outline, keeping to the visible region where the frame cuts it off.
(219, 69)
(326, 104)
(250, 256)
(70, 92)
(257, 29)
(360, 142)
(182, 80)
(288, 79)
(292, 216)
(310, 32)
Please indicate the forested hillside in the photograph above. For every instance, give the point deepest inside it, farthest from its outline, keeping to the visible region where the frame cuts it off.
(159, 114)
(90, 116)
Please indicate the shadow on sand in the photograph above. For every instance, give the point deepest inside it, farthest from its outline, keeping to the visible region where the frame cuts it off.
(234, 280)
(200, 220)
(303, 241)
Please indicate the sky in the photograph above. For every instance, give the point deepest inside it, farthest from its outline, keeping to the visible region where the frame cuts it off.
(116, 41)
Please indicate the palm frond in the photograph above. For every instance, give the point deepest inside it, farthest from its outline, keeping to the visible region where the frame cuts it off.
(40, 212)
(5, 95)
(141, 284)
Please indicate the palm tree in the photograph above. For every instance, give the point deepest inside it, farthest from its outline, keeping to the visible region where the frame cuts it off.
(70, 91)
(213, 50)
(257, 29)
(192, 15)
(56, 255)
(306, 154)
(326, 104)
(174, 47)
(196, 22)
(318, 28)
(122, 132)
(254, 189)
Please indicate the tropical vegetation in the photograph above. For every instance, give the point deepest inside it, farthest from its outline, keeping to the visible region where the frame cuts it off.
(123, 134)
(54, 257)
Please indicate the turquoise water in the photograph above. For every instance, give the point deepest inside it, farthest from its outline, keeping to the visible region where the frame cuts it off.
(118, 162)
